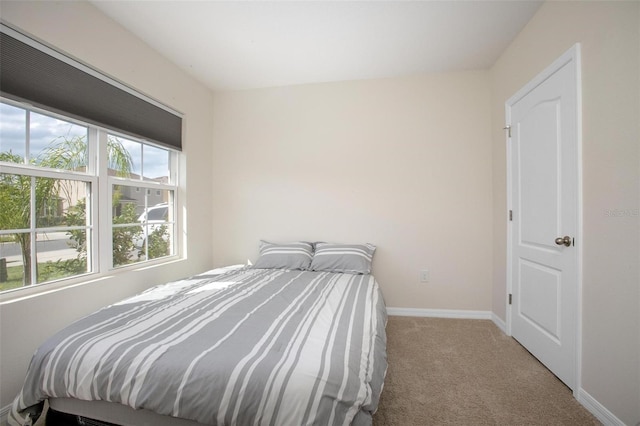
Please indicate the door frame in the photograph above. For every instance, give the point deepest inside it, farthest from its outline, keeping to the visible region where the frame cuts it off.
(571, 55)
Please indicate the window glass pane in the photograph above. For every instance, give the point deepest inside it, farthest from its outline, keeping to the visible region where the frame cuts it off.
(125, 157)
(127, 209)
(48, 203)
(157, 197)
(152, 235)
(13, 133)
(15, 199)
(156, 164)
(57, 144)
(60, 202)
(158, 225)
(58, 256)
(127, 204)
(159, 241)
(11, 261)
(125, 240)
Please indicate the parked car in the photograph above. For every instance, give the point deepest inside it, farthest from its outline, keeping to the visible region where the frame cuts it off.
(152, 219)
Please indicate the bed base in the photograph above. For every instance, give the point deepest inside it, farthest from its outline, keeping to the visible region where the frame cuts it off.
(58, 418)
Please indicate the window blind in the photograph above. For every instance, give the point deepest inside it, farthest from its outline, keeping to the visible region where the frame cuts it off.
(29, 74)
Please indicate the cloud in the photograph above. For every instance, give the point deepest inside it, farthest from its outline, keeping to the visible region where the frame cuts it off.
(43, 130)
(48, 129)
(156, 162)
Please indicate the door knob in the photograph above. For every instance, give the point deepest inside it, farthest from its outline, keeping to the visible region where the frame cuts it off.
(566, 240)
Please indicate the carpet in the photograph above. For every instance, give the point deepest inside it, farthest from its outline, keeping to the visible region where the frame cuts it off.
(468, 372)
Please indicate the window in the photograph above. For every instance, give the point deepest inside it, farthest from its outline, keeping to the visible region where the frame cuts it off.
(53, 189)
(143, 222)
(70, 188)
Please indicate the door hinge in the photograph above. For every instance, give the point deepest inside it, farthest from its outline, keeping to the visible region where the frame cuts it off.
(508, 129)
(510, 298)
(510, 214)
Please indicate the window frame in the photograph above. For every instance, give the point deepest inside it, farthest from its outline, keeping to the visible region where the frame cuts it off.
(100, 198)
(34, 173)
(146, 185)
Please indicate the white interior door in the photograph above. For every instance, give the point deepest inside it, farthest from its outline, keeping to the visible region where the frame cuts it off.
(544, 199)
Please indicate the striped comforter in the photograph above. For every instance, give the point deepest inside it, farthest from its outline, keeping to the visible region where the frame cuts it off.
(239, 347)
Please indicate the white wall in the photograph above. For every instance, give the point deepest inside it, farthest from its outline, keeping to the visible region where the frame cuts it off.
(609, 33)
(81, 30)
(402, 163)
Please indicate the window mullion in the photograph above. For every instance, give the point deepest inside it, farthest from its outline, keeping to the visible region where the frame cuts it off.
(92, 151)
(172, 220)
(91, 208)
(141, 162)
(146, 209)
(27, 142)
(178, 246)
(102, 216)
(33, 235)
(22, 169)
(141, 183)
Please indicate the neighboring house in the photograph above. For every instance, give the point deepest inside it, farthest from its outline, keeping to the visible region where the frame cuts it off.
(135, 195)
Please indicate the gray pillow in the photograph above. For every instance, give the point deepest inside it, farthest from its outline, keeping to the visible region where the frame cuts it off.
(295, 255)
(349, 258)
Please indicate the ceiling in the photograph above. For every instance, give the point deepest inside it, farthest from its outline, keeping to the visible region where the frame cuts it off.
(231, 45)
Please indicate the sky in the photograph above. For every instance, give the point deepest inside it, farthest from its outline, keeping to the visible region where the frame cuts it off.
(44, 130)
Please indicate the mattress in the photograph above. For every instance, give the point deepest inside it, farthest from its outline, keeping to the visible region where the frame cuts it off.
(242, 346)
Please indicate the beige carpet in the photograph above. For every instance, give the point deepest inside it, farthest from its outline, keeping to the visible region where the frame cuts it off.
(467, 372)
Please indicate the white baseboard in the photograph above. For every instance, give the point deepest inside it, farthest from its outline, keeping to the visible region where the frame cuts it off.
(448, 313)
(600, 411)
(499, 323)
(438, 313)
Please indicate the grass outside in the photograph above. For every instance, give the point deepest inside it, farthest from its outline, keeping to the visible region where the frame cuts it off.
(14, 278)
(47, 271)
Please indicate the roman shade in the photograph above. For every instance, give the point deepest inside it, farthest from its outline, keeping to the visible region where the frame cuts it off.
(33, 73)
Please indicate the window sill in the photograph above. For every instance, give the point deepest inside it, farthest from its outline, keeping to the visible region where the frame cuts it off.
(28, 292)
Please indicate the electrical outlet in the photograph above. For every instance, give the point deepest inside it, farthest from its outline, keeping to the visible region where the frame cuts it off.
(424, 276)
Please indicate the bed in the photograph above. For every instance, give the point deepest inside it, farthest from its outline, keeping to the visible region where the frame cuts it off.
(235, 346)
